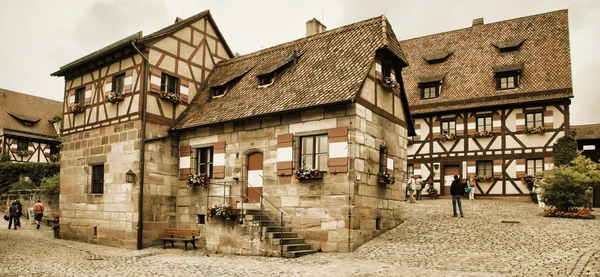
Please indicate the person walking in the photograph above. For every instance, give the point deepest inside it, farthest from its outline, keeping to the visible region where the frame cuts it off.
(17, 203)
(457, 189)
(419, 187)
(410, 187)
(472, 183)
(38, 213)
(13, 215)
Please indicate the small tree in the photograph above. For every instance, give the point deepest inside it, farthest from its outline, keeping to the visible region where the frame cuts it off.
(51, 185)
(565, 150)
(570, 186)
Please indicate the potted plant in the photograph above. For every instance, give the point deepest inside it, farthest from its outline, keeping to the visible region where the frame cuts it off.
(224, 211)
(535, 130)
(386, 178)
(447, 137)
(22, 153)
(388, 83)
(55, 157)
(75, 108)
(114, 97)
(485, 178)
(308, 173)
(433, 193)
(173, 97)
(483, 134)
(200, 179)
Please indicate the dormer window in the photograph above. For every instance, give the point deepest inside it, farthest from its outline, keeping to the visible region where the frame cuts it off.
(437, 57)
(386, 69)
(509, 45)
(219, 91)
(507, 77)
(431, 86)
(265, 80)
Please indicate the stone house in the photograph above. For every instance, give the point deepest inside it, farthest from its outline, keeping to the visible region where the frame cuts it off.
(175, 104)
(29, 135)
(489, 100)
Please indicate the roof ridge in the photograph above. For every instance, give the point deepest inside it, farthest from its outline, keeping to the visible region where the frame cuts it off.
(3, 90)
(277, 47)
(486, 24)
(175, 25)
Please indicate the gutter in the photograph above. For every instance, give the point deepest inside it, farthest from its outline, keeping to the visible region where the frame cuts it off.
(142, 150)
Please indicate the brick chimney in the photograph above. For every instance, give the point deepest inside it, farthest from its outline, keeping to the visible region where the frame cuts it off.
(477, 21)
(314, 27)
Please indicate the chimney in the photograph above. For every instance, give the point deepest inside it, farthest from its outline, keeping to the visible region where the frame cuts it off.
(314, 27)
(477, 21)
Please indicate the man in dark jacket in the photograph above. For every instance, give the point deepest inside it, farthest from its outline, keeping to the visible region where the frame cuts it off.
(457, 189)
(13, 215)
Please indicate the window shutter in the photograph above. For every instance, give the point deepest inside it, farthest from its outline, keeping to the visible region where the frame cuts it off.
(471, 167)
(155, 80)
(437, 128)
(390, 162)
(219, 160)
(471, 124)
(185, 162)
(497, 168)
(284, 154)
(418, 131)
(128, 81)
(30, 148)
(184, 90)
(88, 94)
(520, 168)
(496, 123)
(548, 119)
(107, 85)
(520, 122)
(47, 150)
(71, 97)
(460, 127)
(548, 163)
(338, 150)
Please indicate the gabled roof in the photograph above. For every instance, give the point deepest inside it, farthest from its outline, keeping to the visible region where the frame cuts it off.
(332, 68)
(589, 131)
(469, 83)
(138, 39)
(16, 109)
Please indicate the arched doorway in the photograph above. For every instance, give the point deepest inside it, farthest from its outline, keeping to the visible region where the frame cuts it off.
(255, 176)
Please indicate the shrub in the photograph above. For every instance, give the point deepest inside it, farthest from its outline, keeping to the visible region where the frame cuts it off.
(22, 185)
(573, 213)
(51, 185)
(570, 186)
(11, 172)
(565, 150)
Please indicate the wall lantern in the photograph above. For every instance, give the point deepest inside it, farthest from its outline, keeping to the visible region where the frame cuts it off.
(436, 166)
(130, 176)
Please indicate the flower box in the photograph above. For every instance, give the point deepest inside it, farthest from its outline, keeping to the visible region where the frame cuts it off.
(173, 97)
(75, 108)
(486, 178)
(386, 178)
(55, 158)
(308, 174)
(483, 134)
(535, 130)
(114, 97)
(197, 180)
(23, 153)
(447, 137)
(223, 211)
(388, 83)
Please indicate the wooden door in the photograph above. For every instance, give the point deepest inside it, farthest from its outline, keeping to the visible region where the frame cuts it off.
(255, 179)
(449, 172)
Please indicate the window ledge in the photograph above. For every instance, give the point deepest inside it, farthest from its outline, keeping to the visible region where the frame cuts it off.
(505, 89)
(265, 86)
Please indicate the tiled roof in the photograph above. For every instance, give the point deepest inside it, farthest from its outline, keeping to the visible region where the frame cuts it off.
(511, 43)
(470, 83)
(589, 131)
(331, 69)
(16, 107)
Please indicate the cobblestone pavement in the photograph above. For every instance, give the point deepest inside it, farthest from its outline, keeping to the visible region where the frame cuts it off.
(430, 243)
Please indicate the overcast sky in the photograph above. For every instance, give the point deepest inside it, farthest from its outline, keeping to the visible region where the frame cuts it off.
(40, 36)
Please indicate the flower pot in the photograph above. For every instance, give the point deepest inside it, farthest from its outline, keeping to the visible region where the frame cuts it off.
(433, 195)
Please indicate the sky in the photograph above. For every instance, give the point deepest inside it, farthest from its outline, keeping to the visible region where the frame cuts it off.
(38, 37)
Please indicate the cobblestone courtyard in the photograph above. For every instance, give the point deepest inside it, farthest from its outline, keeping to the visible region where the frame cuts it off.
(429, 243)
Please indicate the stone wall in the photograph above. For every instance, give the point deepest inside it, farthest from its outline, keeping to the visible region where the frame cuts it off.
(109, 218)
(50, 203)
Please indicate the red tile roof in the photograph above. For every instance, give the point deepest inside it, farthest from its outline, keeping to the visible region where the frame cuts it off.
(589, 131)
(16, 109)
(469, 82)
(330, 68)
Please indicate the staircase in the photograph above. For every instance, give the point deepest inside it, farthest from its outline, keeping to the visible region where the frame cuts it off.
(292, 245)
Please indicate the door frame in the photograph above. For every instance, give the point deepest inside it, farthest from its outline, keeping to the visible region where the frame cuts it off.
(443, 176)
(244, 170)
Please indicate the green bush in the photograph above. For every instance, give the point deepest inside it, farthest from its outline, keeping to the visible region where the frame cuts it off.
(567, 187)
(565, 150)
(10, 173)
(22, 185)
(51, 185)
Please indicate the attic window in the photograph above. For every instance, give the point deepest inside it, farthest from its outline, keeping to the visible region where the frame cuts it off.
(219, 91)
(431, 86)
(265, 80)
(437, 57)
(507, 77)
(386, 69)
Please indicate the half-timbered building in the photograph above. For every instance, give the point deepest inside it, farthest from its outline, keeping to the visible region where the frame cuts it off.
(489, 100)
(119, 103)
(588, 141)
(26, 134)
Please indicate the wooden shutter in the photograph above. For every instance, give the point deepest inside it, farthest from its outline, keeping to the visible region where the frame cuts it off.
(390, 161)
(437, 128)
(88, 94)
(47, 150)
(497, 168)
(185, 162)
(30, 148)
(219, 160)
(521, 168)
(471, 125)
(184, 90)
(284, 154)
(496, 123)
(155, 80)
(520, 122)
(128, 81)
(338, 150)
(418, 131)
(471, 168)
(548, 119)
(548, 163)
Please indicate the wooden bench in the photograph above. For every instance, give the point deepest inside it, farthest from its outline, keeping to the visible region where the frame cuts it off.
(180, 234)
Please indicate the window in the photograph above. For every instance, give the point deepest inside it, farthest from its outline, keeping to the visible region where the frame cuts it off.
(449, 127)
(485, 168)
(265, 80)
(219, 91)
(430, 90)
(118, 84)
(507, 80)
(383, 154)
(54, 149)
(80, 96)
(533, 120)
(169, 84)
(484, 123)
(205, 161)
(534, 166)
(22, 145)
(314, 152)
(386, 69)
(98, 179)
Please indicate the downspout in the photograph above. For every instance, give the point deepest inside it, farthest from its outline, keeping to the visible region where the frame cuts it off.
(142, 149)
